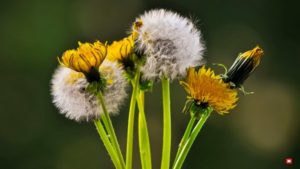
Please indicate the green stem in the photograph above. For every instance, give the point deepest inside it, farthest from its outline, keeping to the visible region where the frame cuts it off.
(130, 130)
(144, 142)
(166, 149)
(109, 128)
(186, 135)
(187, 146)
(110, 149)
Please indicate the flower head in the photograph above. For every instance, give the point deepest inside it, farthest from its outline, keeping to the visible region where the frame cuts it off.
(85, 59)
(206, 89)
(243, 66)
(70, 94)
(170, 42)
(121, 49)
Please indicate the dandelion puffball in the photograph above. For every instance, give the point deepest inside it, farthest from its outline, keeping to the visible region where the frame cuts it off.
(171, 43)
(75, 102)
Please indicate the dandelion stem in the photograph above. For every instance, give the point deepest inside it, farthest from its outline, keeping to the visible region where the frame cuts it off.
(110, 130)
(130, 130)
(144, 142)
(186, 135)
(166, 149)
(110, 149)
(188, 144)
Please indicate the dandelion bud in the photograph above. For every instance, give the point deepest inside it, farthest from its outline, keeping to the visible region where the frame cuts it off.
(71, 97)
(170, 42)
(243, 66)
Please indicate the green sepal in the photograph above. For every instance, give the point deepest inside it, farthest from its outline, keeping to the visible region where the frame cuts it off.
(222, 66)
(187, 106)
(96, 86)
(197, 111)
(242, 89)
(131, 63)
(146, 85)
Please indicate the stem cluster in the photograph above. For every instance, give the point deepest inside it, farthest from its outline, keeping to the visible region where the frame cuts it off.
(107, 134)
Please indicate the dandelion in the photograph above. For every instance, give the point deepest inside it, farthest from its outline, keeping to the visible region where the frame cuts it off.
(243, 66)
(70, 94)
(85, 59)
(90, 84)
(206, 89)
(170, 42)
(206, 92)
(121, 49)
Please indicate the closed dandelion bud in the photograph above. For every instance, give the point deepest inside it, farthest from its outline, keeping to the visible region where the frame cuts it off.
(243, 66)
(71, 97)
(207, 90)
(171, 43)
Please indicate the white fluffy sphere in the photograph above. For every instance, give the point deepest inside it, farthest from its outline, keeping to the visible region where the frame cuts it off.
(75, 102)
(171, 43)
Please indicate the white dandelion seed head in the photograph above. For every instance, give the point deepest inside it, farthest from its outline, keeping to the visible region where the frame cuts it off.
(171, 43)
(75, 102)
(115, 91)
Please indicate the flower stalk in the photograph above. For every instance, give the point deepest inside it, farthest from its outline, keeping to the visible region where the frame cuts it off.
(166, 149)
(110, 130)
(130, 129)
(144, 141)
(107, 144)
(185, 135)
(182, 154)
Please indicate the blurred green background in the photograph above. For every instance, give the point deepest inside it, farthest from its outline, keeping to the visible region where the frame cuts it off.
(260, 133)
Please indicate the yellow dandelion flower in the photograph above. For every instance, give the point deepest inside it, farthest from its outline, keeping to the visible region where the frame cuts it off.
(119, 50)
(208, 90)
(243, 66)
(86, 58)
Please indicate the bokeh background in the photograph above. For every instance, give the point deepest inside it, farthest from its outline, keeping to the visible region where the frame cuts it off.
(260, 133)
